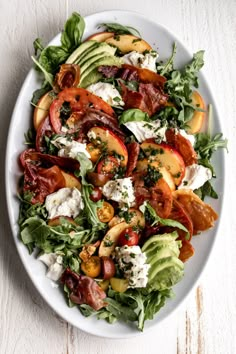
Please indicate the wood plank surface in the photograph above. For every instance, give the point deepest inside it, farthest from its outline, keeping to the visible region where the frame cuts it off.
(206, 322)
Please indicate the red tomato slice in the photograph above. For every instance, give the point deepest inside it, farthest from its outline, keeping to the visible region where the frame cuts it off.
(108, 166)
(96, 194)
(128, 237)
(79, 101)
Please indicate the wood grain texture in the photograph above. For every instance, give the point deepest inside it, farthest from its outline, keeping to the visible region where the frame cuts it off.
(206, 323)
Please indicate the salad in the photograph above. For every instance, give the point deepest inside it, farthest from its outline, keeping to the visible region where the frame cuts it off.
(116, 170)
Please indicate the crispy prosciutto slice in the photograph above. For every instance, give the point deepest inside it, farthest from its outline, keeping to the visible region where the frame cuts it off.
(129, 73)
(48, 160)
(133, 152)
(42, 181)
(159, 196)
(201, 214)
(182, 145)
(94, 117)
(84, 290)
(149, 98)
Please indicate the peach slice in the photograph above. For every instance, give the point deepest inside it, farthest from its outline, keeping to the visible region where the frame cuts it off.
(100, 37)
(71, 181)
(127, 43)
(167, 157)
(42, 109)
(110, 240)
(107, 139)
(196, 122)
(142, 165)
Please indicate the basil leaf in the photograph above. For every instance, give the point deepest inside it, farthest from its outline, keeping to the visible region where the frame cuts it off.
(73, 32)
(133, 115)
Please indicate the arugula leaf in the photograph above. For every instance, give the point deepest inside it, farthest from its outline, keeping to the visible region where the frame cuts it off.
(30, 136)
(38, 46)
(119, 29)
(48, 76)
(206, 191)
(146, 207)
(85, 167)
(153, 302)
(90, 208)
(169, 65)
(180, 83)
(205, 146)
(133, 115)
(73, 32)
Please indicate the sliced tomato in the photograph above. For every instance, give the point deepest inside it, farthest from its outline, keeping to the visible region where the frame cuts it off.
(106, 212)
(96, 194)
(128, 237)
(108, 166)
(78, 100)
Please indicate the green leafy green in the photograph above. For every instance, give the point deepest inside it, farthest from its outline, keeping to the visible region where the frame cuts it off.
(73, 32)
(38, 46)
(150, 213)
(206, 191)
(134, 305)
(180, 83)
(133, 115)
(205, 146)
(30, 136)
(169, 65)
(90, 209)
(52, 56)
(119, 29)
(85, 167)
(37, 94)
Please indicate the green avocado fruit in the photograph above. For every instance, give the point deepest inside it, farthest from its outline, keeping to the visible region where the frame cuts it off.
(81, 50)
(166, 269)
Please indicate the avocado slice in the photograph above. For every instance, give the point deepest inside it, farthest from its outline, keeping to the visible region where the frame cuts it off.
(162, 252)
(87, 52)
(101, 48)
(91, 75)
(161, 239)
(80, 50)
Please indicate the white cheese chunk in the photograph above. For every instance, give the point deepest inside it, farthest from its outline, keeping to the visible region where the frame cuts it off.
(107, 92)
(121, 191)
(145, 130)
(145, 61)
(54, 264)
(64, 202)
(195, 177)
(69, 148)
(190, 137)
(132, 262)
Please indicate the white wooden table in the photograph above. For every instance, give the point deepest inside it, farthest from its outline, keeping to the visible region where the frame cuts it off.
(206, 323)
